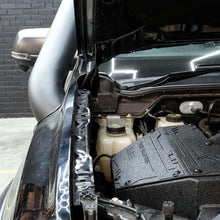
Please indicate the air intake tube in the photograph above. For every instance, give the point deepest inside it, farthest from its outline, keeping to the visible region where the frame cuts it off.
(49, 73)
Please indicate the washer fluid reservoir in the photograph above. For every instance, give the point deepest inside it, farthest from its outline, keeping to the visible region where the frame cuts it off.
(114, 135)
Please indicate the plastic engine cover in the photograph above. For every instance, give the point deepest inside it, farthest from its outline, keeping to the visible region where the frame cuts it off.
(171, 163)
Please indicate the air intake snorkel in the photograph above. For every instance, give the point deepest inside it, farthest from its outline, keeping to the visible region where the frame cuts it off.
(46, 83)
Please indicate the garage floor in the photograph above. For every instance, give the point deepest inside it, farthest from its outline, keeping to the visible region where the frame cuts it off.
(15, 137)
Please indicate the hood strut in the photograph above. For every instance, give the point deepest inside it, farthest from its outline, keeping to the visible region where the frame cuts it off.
(48, 76)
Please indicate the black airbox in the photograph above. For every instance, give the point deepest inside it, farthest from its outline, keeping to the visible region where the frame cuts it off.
(171, 163)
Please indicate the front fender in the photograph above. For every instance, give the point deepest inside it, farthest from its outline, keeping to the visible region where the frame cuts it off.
(42, 183)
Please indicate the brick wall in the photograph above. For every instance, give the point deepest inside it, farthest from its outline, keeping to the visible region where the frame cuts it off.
(14, 16)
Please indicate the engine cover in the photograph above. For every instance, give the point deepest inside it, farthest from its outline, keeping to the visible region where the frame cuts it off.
(171, 163)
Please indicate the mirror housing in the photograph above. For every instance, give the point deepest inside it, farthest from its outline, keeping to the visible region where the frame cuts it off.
(27, 46)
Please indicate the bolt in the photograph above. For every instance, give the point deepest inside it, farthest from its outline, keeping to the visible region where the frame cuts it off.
(139, 215)
(129, 203)
(176, 173)
(117, 178)
(208, 143)
(168, 209)
(197, 171)
(98, 168)
(128, 182)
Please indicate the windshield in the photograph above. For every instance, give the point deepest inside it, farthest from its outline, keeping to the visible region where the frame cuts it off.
(159, 62)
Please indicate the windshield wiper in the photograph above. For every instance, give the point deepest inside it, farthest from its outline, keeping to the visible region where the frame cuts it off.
(176, 76)
(209, 67)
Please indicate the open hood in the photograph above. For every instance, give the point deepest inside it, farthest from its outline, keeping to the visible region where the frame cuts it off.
(111, 27)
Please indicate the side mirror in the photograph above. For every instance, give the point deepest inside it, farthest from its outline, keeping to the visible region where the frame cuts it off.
(27, 46)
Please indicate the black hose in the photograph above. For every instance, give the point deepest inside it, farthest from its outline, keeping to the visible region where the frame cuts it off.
(143, 127)
(203, 113)
(99, 157)
(204, 127)
(211, 107)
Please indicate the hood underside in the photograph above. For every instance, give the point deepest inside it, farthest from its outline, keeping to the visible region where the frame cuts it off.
(114, 18)
(119, 26)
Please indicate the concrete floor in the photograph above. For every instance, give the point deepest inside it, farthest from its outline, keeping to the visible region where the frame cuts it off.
(15, 137)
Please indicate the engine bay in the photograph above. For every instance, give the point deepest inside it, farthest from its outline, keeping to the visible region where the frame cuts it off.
(157, 155)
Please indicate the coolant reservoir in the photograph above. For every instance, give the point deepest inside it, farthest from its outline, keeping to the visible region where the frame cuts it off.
(169, 120)
(114, 135)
